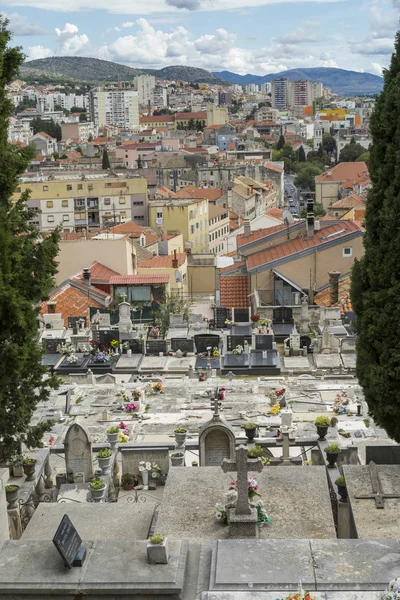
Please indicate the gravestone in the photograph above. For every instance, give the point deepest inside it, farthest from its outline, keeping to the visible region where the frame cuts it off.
(184, 344)
(283, 314)
(221, 314)
(106, 336)
(74, 322)
(237, 340)
(156, 346)
(104, 319)
(263, 342)
(203, 341)
(50, 344)
(78, 451)
(176, 321)
(135, 344)
(305, 340)
(383, 455)
(69, 544)
(124, 323)
(241, 315)
(216, 440)
(195, 318)
(131, 456)
(236, 360)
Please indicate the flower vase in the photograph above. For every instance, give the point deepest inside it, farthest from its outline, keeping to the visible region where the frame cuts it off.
(145, 479)
(129, 352)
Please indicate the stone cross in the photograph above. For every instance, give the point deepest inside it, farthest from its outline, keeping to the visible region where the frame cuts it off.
(215, 402)
(230, 375)
(377, 494)
(243, 464)
(285, 445)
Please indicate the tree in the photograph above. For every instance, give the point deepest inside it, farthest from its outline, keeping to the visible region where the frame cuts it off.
(27, 269)
(318, 211)
(191, 125)
(50, 127)
(139, 162)
(305, 178)
(351, 152)
(364, 158)
(174, 305)
(106, 161)
(90, 138)
(375, 285)
(328, 143)
(281, 142)
(301, 155)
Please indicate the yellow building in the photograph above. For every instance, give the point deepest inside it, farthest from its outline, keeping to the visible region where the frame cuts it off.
(217, 115)
(186, 216)
(76, 203)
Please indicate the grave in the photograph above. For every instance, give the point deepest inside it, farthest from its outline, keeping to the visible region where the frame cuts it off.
(124, 323)
(241, 315)
(221, 314)
(296, 362)
(128, 364)
(263, 342)
(237, 340)
(152, 364)
(216, 440)
(135, 344)
(236, 361)
(383, 455)
(176, 321)
(80, 366)
(283, 323)
(106, 336)
(102, 319)
(78, 451)
(50, 344)
(74, 322)
(184, 344)
(132, 454)
(154, 347)
(180, 365)
(327, 361)
(102, 367)
(204, 341)
(202, 363)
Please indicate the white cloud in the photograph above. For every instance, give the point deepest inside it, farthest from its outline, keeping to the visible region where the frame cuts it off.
(331, 64)
(35, 52)
(70, 43)
(300, 36)
(377, 69)
(373, 46)
(220, 43)
(20, 25)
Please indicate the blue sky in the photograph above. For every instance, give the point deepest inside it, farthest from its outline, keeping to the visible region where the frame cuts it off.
(244, 36)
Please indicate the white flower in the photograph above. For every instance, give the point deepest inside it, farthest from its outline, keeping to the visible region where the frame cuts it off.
(218, 516)
(208, 347)
(148, 466)
(141, 468)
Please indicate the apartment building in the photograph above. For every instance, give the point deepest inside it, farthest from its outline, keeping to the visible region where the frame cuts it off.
(186, 216)
(218, 229)
(317, 90)
(302, 94)
(144, 85)
(78, 131)
(114, 106)
(281, 92)
(160, 98)
(77, 202)
(19, 131)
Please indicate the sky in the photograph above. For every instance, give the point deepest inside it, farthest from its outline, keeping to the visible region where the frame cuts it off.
(242, 36)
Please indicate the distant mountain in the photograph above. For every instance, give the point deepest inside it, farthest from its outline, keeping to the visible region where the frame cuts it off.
(94, 70)
(340, 81)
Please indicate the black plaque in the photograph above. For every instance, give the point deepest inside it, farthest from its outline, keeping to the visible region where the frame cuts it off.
(106, 336)
(74, 322)
(241, 315)
(50, 344)
(283, 314)
(184, 344)
(221, 314)
(135, 345)
(204, 341)
(264, 342)
(156, 346)
(305, 340)
(383, 455)
(68, 543)
(237, 340)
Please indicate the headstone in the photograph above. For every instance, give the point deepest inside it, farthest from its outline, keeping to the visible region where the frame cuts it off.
(104, 319)
(135, 345)
(195, 318)
(131, 456)
(69, 544)
(156, 346)
(221, 314)
(78, 451)
(176, 321)
(50, 344)
(283, 314)
(263, 342)
(383, 455)
(204, 341)
(184, 344)
(74, 322)
(305, 340)
(237, 340)
(216, 440)
(304, 316)
(241, 315)
(230, 376)
(295, 343)
(124, 322)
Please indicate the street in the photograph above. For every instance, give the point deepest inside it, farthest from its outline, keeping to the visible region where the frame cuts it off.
(291, 194)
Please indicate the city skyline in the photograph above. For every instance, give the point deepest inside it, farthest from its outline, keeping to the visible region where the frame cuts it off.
(222, 35)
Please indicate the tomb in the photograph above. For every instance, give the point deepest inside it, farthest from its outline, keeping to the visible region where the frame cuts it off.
(283, 323)
(216, 440)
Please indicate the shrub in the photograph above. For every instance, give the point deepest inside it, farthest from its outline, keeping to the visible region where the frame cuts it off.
(128, 479)
(157, 538)
(332, 448)
(322, 421)
(104, 453)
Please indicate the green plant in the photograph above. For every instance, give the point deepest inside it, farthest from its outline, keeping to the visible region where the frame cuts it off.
(127, 479)
(367, 422)
(322, 421)
(114, 429)
(340, 481)
(147, 408)
(157, 538)
(332, 449)
(334, 421)
(97, 484)
(177, 454)
(255, 452)
(29, 461)
(104, 453)
(79, 400)
(11, 488)
(180, 430)
(250, 425)
(17, 459)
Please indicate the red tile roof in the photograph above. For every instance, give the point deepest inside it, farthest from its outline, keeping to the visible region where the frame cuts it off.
(138, 279)
(162, 262)
(190, 115)
(323, 298)
(157, 119)
(350, 202)
(71, 302)
(258, 234)
(190, 191)
(129, 227)
(345, 171)
(45, 135)
(292, 247)
(234, 291)
(275, 213)
(99, 273)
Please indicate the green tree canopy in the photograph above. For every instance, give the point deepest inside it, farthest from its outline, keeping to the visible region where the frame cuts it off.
(328, 143)
(364, 157)
(281, 142)
(351, 152)
(301, 154)
(27, 269)
(306, 175)
(375, 286)
(105, 164)
(50, 127)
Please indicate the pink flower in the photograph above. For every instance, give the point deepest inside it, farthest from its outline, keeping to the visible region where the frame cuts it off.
(51, 440)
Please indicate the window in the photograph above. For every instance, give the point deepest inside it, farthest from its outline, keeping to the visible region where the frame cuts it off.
(347, 252)
(201, 210)
(122, 214)
(192, 229)
(139, 217)
(65, 217)
(45, 188)
(64, 203)
(122, 200)
(50, 218)
(80, 186)
(107, 201)
(138, 203)
(69, 188)
(159, 215)
(49, 204)
(197, 225)
(80, 216)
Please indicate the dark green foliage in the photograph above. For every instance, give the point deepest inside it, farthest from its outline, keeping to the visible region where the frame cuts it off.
(281, 143)
(328, 143)
(375, 289)
(351, 152)
(305, 178)
(106, 161)
(50, 127)
(318, 211)
(139, 162)
(364, 158)
(27, 268)
(301, 155)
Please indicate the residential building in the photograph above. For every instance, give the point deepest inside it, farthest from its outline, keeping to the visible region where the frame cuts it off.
(19, 131)
(175, 265)
(160, 97)
(224, 98)
(281, 93)
(141, 288)
(266, 87)
(211, 134)
(217, 115)
(218, 229)
(251, 88)
(164, 121)
(186, 216)
(328, 184)
(340, 208)
(144, 85)
(44, 143)
(183, 119)
(80, 131)
(302, 94)
(114, 106)
(143, 237)
(45, 103)
(317, 90)
(79, 202)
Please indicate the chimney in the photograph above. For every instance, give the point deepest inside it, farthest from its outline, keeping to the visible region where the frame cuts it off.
(175, 261)
(310, 218)
(334, 287)
(51, 308)
(247, 228)
(86, 276)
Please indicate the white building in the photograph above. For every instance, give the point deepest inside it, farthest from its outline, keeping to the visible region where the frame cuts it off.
(317, 90)
(266, 87)
(45, 103)
(160, 97)
(112, 106)
(19, 131)
(144, 85)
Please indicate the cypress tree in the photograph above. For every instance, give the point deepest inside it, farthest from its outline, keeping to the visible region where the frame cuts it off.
(375, 290)
(106, 161)
(302, 154)
(281, 142)
(27, 268)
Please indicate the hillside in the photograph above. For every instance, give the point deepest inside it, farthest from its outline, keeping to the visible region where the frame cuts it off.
(94, 70)
(340, 81)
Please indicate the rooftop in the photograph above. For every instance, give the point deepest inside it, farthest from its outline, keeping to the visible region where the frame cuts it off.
(234, 291)
(345, 171)
(350, 202)
(139, 279)
(163, 262)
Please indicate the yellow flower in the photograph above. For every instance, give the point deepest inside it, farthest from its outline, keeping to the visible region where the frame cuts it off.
(275, 409)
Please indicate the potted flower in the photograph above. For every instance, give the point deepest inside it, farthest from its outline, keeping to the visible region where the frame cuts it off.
(12, 495)
(275, 409)
(322, 425)
(104, 459)
(258, 452)
(177, 459)
(180, 435)
(341, 486)
(144, 468)
(157, 388)
(16, 461)
(332, 452)
(125, 347)
(72, 359)
(255, 318)
(128, 481)
(228, 323)
(131, 408)
(136, 394)
(97, 489)
(238, 349)
(155, 470)
(202, 376)
(29, 465)
(216, 353)
(184, 353)
(157, 549)
(112, 435)
(250, 430)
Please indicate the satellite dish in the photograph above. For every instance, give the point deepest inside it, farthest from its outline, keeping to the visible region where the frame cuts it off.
(287, 217)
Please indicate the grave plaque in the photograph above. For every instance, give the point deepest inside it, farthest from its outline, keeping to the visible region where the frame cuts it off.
(69, 544)
(236, 360)
(204, 341)
(184, 344)
(78, 451)
(305, 340)
(220, 315)
(237, 340)
(106, 336)
(74, 322)
(131, 456)
(283, 314)
(383, 455)
(156, 346)
(241, 315)
(216, 448)
(135, 345)
(264, 342)
(50, 344)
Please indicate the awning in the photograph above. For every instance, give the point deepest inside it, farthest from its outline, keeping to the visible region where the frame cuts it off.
(289, 281)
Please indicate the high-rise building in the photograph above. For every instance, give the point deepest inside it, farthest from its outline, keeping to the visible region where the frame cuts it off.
(144, 85)
(281, 92)
(317, 90)
(251, 88)
(302, 95)
(224, 98)
(160, 97)
(266, 87)
(114, 106)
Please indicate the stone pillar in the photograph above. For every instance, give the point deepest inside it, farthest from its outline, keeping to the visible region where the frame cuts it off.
(334, 287)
